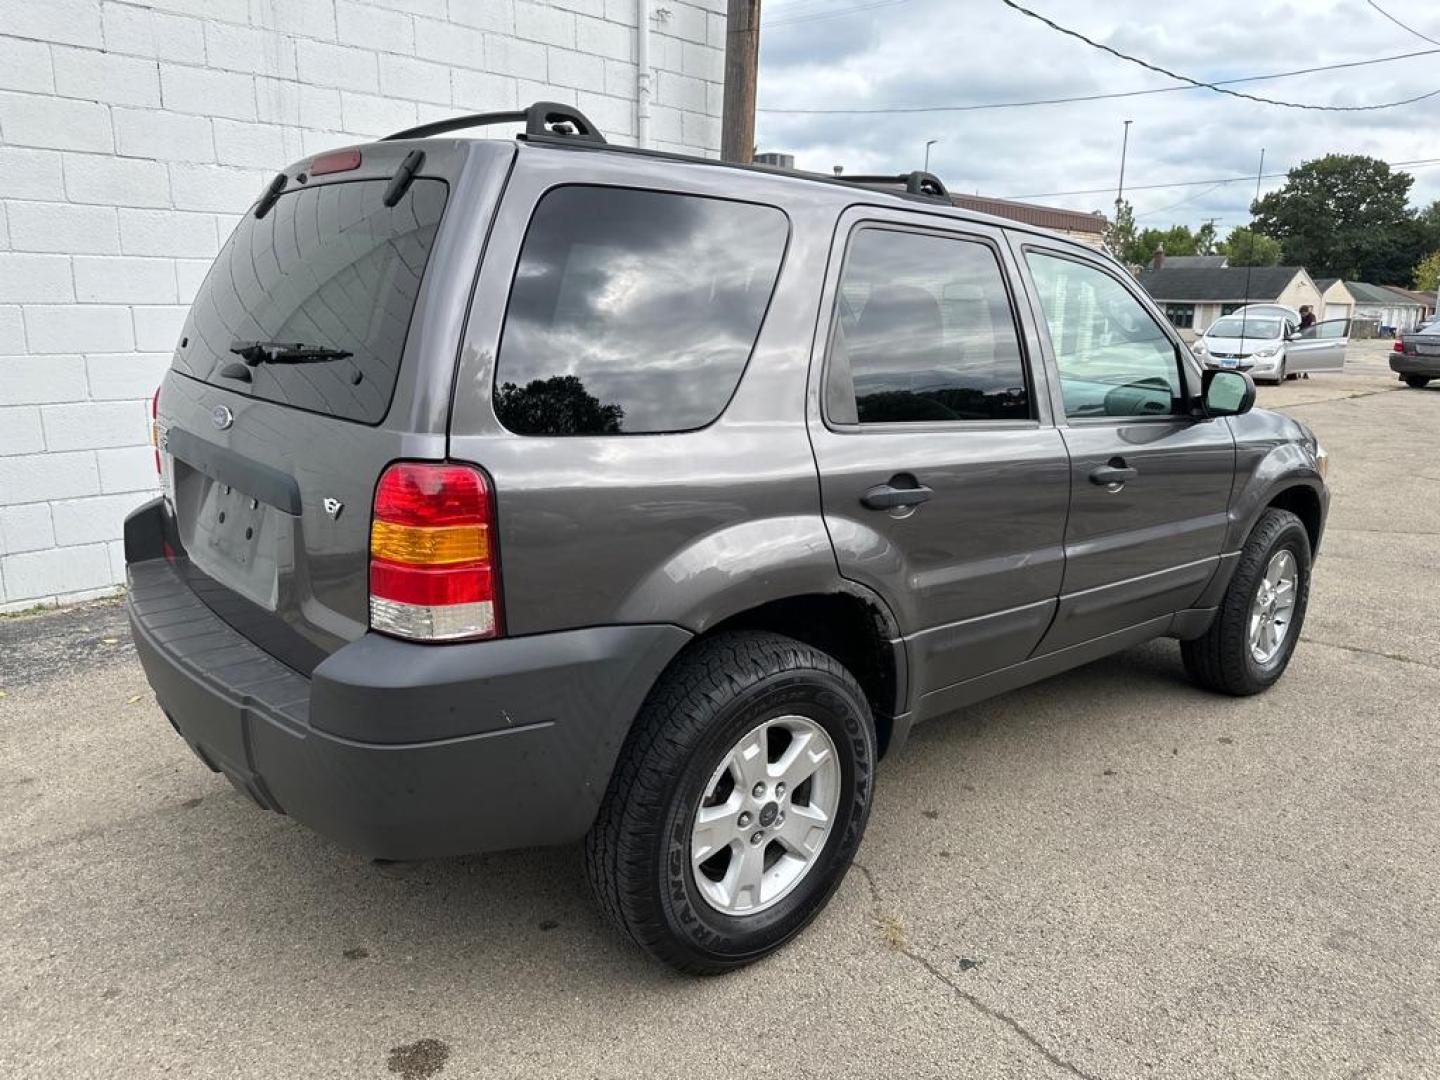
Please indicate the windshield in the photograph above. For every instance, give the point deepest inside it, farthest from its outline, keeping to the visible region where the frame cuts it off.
(330, 276)
(1232, 326)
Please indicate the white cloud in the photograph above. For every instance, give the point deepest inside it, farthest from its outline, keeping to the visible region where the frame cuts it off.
(958, 52)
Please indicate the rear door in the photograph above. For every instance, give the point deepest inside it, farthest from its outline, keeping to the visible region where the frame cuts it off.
(1150, 483)
(1319, 347)
(272, 452)
(943, 480)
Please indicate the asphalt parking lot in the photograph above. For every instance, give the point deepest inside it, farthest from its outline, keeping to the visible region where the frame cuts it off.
(1108, 875)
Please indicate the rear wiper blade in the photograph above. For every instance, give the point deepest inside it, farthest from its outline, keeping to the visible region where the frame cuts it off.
(285, 352)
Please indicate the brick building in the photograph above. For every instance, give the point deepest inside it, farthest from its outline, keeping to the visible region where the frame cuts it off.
(133, 133)
(1087, 228)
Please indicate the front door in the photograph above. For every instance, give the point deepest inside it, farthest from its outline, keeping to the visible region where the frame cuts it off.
(943, 479)
(1150, 483)
(1319, 347)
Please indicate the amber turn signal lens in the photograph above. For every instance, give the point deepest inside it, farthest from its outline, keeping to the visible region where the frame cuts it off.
(433, 546)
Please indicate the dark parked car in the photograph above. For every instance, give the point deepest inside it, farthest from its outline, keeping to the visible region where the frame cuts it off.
(1416, 358)
(530, 491)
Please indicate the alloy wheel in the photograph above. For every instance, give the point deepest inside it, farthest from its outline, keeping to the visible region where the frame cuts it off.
(1273, 608)
(765, 815)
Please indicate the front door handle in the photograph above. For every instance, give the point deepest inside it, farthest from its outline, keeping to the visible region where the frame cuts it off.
(1113, 474)
(887, 496)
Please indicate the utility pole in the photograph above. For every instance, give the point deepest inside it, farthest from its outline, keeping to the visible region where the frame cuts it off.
(1124, 147)
(742, 54)
(929, 143)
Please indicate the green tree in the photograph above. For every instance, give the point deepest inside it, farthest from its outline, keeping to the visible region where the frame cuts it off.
(1205, 239)
(1427, 273)
(559, 405)
(1345, 215)
(1429, 219)
(1120, 232)
(1177, 240)
(1246, 247)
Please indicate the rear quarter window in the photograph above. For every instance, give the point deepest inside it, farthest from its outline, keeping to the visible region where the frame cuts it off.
(633, 311)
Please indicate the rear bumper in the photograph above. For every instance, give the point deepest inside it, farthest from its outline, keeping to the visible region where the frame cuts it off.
(531, 726)
(1425, 366)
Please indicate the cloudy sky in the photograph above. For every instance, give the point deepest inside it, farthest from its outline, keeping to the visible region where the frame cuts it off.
(828, 54)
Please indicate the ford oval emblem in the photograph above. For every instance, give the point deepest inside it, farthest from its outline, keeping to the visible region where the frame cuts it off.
(222, 416)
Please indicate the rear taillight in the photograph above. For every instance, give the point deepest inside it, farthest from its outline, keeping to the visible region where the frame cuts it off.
(155, 429)
(1399, 346)
(433, 572)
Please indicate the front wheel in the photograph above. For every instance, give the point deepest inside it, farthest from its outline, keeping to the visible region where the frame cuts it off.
(1254, 633)
(1416, 382)
(737, 804)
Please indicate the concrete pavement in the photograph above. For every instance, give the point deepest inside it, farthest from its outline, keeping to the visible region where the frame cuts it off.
(1108, 875)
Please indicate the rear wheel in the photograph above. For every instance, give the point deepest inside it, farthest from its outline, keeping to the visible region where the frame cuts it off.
(1254, 633)
(738, 801)
(1417, 382)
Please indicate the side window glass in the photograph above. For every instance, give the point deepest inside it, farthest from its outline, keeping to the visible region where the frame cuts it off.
(1113, 358)
(1331, 330)
(923, 333)
(633, 311)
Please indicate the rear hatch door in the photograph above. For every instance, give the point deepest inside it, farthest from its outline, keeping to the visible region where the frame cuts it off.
(320, 347)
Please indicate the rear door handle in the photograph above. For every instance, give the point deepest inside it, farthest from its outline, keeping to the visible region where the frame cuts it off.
(1113, 474)
(888, 496)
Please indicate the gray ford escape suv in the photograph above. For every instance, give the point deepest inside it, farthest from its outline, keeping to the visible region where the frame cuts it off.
(524, 491)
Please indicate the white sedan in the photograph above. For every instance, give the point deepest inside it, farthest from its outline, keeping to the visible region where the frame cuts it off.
(1267, 345)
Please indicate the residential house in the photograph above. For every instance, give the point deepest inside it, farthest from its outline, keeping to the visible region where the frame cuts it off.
(1426, 300)
(1388, 309)
(1193, 298)
(1337, 300)
(1196, 262)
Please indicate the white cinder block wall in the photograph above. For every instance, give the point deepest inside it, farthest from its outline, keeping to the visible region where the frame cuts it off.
(132, 134)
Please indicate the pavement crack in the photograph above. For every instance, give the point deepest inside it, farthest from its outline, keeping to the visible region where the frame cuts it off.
(1342, 397)
(914, 956)
(1383, 532)
(1399, 657)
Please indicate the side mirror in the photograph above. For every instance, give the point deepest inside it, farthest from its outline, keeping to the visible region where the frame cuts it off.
(1227, 393)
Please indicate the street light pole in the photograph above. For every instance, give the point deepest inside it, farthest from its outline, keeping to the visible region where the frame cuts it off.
(929, 143)
(1124, 146)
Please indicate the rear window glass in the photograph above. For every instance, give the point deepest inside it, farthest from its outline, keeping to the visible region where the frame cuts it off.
(330, 268)
(633, 311)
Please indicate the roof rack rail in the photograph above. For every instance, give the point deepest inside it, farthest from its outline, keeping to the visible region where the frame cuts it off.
(916, 183)
(546, 119)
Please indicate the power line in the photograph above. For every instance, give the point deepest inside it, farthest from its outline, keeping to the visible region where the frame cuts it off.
(792, 9)
(1217, 87)
(1182, 202)
(831, 14)
(1403, 26)
(1418, 163)
(1101, 97)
